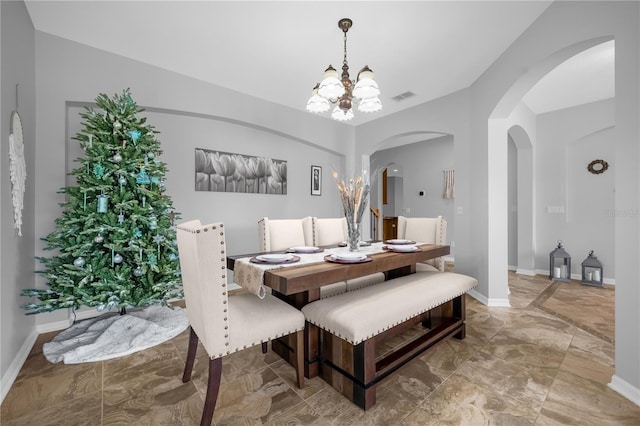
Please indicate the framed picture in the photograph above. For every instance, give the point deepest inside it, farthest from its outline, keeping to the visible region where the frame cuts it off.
(316, 180)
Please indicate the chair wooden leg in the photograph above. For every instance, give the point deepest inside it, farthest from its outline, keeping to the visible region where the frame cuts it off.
(213, 386)
(265, 347)
(191, 355)
(300, 358)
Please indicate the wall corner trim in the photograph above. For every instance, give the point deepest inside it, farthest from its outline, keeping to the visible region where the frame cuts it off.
(12, 372)
(625, 389)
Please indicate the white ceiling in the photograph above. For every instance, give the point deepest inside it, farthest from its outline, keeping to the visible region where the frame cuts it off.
(277, 51)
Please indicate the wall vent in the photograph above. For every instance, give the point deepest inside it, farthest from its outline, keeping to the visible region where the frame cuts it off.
(403, 96)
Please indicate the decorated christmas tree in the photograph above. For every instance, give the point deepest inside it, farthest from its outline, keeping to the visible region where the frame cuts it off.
(115, 241)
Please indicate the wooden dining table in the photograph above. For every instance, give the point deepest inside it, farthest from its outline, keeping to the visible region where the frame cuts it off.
(300, 284)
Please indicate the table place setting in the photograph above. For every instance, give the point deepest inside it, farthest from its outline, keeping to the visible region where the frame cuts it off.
(305, 249)
(274, 259)
(399, 242)
(348, 257)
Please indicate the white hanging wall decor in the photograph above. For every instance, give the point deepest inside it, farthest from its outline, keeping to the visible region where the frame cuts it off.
(449, 183)
(17, 168)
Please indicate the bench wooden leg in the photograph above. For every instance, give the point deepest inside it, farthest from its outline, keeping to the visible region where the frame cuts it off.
(300, 358)
(459, 308)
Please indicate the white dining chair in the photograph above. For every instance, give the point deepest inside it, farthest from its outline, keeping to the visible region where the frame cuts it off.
(428, 230)
(226, 324)
(282, 234)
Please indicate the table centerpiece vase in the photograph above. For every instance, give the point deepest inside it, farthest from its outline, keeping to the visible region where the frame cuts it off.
(354, 196)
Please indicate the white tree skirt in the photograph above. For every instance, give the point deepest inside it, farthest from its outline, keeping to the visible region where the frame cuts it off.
(113, 335)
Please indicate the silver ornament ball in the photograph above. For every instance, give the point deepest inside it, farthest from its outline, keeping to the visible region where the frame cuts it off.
(117, 258)
(117, 158)
(79, 262)
(98, 239)
(138, 271)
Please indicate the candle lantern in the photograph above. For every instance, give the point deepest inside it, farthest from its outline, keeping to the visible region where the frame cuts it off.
(102, 203)
(592, 271)
(559, 264)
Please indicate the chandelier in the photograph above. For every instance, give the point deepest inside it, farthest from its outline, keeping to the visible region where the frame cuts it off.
(344, 92)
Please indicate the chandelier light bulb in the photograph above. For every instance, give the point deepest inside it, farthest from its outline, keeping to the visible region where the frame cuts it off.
(341, 115)
(370, 105)
(331, 87)
(366, 87)
(317, 103)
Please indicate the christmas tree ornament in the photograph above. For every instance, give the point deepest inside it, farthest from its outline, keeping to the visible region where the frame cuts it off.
(122, 180)
(144, 201)
(79, 262)
(143, 178)
(98, 239)
(117, 125)
(158, 239)
(116, 158)
(150, 155)
(121, 217)
(117, 258)
(135, 135)
(138, 271)
(90, 141)
(153, 222)
(98, 170)
(102, 203)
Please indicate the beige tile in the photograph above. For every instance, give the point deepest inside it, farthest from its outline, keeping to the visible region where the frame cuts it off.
(63, 383)
(81, 411)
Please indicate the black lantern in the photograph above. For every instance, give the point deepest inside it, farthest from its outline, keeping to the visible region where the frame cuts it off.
(592, 271)
(559, 264)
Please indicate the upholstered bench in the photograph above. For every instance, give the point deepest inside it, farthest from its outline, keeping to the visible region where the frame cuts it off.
(352, 323)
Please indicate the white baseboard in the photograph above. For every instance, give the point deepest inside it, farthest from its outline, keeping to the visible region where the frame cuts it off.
(528, 272)
(12, 372)
(493, 303)
(625, 389)
(53, 326)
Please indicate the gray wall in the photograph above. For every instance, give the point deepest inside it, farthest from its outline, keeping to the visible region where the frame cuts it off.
(512, 205)
(17, 58)
(567, 141)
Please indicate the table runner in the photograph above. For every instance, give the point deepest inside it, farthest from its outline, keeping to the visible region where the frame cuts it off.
(250, 276)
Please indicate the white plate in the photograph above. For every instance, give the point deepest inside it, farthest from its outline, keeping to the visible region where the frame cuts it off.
(349, 256)
(274, 258)
(305, 249)
(398, 241)
(407, 248)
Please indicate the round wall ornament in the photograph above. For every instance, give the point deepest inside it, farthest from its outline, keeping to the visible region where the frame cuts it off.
(598, 166)
(17, 169)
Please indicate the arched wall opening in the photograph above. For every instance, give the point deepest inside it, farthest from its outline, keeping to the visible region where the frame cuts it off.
(499, 123)
(420, 158)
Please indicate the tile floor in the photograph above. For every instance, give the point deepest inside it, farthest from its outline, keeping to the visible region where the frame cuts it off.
(544, 361)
